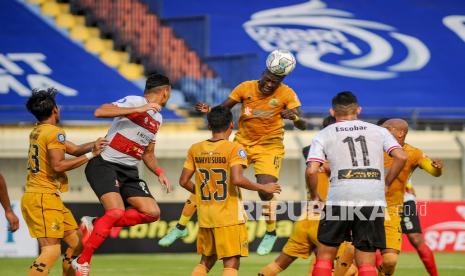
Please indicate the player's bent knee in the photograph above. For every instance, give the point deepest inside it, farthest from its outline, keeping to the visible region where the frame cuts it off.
(389, 263)
(115, 213)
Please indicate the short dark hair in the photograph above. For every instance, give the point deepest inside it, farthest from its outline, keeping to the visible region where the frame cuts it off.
(156, 80)
(344, 103)
(381, 121)
(219, 118)
(41, 103)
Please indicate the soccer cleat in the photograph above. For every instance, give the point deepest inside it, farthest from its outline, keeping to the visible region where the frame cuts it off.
(86, 226)
(266, 244)
(80, 269)
(172, 236)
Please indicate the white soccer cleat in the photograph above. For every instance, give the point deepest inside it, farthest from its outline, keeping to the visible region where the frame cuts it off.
(81, 269)
(86, 226)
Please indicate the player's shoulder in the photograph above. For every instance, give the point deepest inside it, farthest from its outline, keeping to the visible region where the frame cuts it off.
(52, 132)
(132, 99)
(412, 150)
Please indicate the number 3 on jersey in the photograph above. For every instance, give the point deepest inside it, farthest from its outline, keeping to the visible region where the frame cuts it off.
(220, 183)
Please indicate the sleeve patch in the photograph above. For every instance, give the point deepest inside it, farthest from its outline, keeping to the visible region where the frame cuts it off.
(242, 154)
(123, 100)
(61, 137)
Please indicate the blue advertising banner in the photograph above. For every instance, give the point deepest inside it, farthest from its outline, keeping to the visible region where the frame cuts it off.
(35, 55)
(391, 53)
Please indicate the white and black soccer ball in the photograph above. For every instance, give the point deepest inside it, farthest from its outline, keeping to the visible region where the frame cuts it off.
(280, 62)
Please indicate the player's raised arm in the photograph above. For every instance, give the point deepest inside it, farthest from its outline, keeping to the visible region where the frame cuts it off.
(112, 110)
(204, 107)
(431, 166)
(151, 162)
(238, 179)
(59, 163)
(398, 162)
(5, 201)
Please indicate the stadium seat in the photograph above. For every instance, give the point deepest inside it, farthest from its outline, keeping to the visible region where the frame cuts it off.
(131, 71)
(111, 58)
(94, 45)
(65, 21)
(79, 33)
(51, 9)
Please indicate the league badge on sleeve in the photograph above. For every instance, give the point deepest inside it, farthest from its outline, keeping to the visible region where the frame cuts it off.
(61, 137)
(242, 154)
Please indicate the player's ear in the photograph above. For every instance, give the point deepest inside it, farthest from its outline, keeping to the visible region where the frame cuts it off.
(231, 125)
(331, 111)
(359, 109)
(209, 127)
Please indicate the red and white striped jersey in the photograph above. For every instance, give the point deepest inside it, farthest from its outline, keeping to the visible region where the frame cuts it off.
(129, 135)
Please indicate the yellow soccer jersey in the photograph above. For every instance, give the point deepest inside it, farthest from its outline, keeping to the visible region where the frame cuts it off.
(218, 202)
(260, 118)
(395, 194)
(41, 177)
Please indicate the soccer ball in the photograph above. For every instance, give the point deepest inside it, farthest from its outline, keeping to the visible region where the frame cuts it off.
(280, 62)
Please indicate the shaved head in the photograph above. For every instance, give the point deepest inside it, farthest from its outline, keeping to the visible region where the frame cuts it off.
(398, 128)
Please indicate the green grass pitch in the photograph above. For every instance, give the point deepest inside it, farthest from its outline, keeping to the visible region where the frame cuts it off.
(181, 264)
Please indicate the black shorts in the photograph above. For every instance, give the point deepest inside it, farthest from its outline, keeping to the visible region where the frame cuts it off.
(365, 230)
(410, 222)
(106, 177)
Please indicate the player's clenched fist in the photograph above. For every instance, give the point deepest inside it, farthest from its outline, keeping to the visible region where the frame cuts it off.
(202, 107)
(271, 188)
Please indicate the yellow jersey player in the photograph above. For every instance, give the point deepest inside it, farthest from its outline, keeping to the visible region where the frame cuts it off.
(218, 166)
(303, 240)
(395, 193)
(46, 216)
(265, 105)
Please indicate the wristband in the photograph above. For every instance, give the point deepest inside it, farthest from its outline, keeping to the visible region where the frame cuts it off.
(89, 155)
(296, 118)
(159, 171)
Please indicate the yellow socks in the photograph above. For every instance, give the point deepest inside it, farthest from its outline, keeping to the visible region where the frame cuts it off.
(188, 210)
(229, 271)
(272, 269)
(199, 270)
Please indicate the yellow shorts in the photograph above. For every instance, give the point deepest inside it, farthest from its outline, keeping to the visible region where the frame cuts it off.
(266, 158)
(303, 239)
(46, 215)
(224, 242)
(393, 229)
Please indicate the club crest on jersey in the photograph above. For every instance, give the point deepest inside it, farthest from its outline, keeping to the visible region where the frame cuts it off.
(247, 111)
(242, 154)
(61, 137)
(273, 102)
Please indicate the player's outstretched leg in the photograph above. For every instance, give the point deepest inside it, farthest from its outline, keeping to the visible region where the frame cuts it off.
(73, 240)
(180, 231)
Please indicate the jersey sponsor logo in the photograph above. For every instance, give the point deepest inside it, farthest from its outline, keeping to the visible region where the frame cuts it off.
(144, 120)
(333, 41)
(127, 146)
(247, 111)
(61, 138)
(258, 113)
(359, 174)
(242, 154)
(273, 102)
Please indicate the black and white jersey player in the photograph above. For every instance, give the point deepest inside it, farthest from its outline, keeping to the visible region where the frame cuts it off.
(356, 192)
(114, 176)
